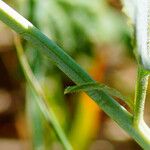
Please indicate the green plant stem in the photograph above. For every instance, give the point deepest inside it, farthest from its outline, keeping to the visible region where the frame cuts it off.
(31, 11)
(42, 102)
(140, 95)
(74, 72)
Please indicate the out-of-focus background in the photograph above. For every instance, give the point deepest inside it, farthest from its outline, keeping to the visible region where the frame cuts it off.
(99, 37)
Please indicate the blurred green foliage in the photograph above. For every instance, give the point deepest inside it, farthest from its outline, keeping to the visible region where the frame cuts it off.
(76, 25)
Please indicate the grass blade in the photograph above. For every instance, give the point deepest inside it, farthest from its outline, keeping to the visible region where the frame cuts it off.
(101, 87)
(42, 100)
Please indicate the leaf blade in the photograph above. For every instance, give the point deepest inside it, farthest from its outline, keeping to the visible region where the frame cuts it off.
(89, 86)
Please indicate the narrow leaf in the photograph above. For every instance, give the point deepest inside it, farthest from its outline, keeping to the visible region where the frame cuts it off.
(101, 87)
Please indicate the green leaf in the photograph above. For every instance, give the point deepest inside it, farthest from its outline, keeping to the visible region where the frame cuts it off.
(101, 87)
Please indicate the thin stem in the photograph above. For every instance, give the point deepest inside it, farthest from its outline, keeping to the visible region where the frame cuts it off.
(140, 95)
(42, 102)
(74, 72)
(31, 11)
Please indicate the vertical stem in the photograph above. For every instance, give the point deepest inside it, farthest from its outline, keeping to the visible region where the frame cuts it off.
(31, 16)
(140, 95)
(42, 101)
